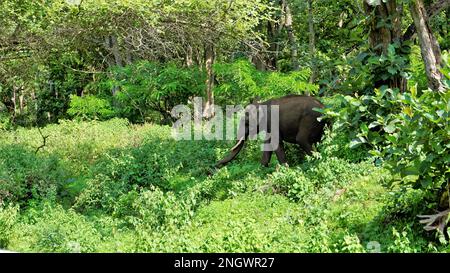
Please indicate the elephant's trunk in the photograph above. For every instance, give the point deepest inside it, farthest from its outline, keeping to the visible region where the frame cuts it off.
(234, 152)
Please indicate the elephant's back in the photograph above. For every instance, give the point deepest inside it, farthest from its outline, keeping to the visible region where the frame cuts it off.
(294, 110)
(297, 104)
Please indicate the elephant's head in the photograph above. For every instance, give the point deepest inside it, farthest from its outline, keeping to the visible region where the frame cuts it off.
(252, 123)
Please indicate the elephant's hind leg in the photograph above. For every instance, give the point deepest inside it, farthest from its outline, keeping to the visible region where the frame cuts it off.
(302, 137)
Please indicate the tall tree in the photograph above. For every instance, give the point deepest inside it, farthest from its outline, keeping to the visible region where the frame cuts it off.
(385, 28)
(210, 56)
(434, 9)
(429, 46)
(291, 35)
(312, 41)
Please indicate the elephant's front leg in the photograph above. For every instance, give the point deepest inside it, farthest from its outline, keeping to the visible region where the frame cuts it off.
(267, 154)
(281, 154)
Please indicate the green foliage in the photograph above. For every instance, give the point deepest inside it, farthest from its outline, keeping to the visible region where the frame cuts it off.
(55, 229)
(8, 218)
(446, 68)
(146, 88)
(101, 183)
(418, 138)
(239, 82)
(90, 108)
(362, 71)
(393, 64)
(5, 122)
(418, 75)
(25, 176)
(409, 131)
(155, 210)
(134, 188)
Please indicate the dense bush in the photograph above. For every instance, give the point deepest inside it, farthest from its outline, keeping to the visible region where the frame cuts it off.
(409, 131)
(25, 176)
(133, 188)
(8, 218)
(90, 108)
(54, 229)
(147, 91)
(239, 82)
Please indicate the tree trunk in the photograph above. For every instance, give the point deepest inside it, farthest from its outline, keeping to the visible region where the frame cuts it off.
(129, 57)
(433, 10)
(209, 61)
(114, 48)
(199, 58)
(291, 35)
(272, 35)
(258, 61)
(257, 56)
(382, 35)
(312, 41)
(21, 102)
(14, 102)
(429, 46)
(189, 58)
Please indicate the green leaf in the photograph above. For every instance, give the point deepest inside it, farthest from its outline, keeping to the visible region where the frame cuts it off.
(392, 70)
(374, 124)
(364, 128)
(356, 142)
(390, 128)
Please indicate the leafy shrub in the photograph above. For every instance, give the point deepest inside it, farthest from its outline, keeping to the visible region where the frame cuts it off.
(5, 121)
(90, 107)
(249, 222)
(292, 182)
(410, 131)
(148, 91)
(55, 229)
(418, 74)
(133, 188)
(350, 244)
(8, 217)
(337, 145)
(118, 172)
(405, 203)
(239, 82)
(159, 210)
(25, 176)
(446, 68)
(405, 241)
(368, 69)
(316, 173)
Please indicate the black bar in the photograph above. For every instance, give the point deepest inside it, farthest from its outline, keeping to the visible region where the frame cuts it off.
(196, 262)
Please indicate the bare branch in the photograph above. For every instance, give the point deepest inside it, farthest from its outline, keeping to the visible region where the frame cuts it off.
(435, 221)
(44, 141)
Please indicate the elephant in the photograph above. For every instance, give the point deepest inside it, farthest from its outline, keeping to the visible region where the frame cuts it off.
(298, 124)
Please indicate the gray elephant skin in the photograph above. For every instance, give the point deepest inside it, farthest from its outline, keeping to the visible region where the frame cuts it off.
(298, 124)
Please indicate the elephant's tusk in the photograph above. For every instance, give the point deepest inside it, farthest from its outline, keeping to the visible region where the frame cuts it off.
(237, 145)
